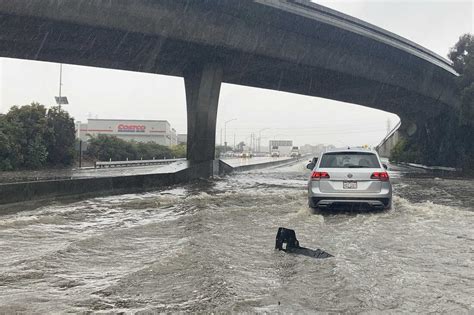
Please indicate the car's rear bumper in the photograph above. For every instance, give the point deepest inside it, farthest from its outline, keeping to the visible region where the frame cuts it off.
(333, 202)
(382, 191)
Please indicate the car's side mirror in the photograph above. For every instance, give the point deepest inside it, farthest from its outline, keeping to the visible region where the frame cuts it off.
(385, 166)
(312, 163)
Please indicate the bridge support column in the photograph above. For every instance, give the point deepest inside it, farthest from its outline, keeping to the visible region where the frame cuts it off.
(202, 84)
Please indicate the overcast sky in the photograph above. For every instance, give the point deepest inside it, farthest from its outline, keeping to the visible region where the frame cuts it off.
(103, 93)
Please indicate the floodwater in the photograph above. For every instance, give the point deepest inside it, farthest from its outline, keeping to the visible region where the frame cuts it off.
(209, 246)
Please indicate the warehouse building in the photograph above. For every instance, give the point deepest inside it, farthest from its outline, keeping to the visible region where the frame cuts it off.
(158, 131)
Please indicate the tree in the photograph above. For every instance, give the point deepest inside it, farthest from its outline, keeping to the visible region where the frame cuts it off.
(179, 151)
(151, 150)
(61, 137)
(27, 127)
(462, 55)
(36, 153)
(10, 156)
(240, 146)
(105, 147)
(32, 137)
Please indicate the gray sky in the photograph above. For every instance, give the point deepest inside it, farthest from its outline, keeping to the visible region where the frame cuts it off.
(105, 93)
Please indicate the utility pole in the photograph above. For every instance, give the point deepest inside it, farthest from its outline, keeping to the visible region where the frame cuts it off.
(80, 153)
(254, 142)
(60, 82)
(260, 138)
(61, 99)
(225, 131)
(221, 136)
(251, 141)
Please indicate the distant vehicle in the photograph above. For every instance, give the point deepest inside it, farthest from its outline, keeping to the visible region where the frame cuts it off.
(349, 177)
(295, 152)
(275, 152)
(246, 154)
(228, 154)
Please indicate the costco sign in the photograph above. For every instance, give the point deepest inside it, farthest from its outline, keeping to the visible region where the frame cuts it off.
(131, 128)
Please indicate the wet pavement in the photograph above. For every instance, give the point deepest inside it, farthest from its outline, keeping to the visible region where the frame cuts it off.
(209, 247)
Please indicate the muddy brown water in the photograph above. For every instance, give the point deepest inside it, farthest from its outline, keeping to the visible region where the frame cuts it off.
(208, 247)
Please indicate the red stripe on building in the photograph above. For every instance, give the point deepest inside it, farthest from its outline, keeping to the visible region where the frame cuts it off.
(97, 130)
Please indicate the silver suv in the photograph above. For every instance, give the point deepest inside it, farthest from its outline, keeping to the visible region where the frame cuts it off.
(349, 177)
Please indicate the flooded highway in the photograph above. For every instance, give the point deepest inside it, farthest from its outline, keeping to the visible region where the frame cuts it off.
(209, 246)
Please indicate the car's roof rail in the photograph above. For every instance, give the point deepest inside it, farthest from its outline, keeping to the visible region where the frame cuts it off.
(349, 148)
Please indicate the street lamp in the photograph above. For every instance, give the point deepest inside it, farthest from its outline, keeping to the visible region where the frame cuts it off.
(225, 131)
(260, 138)
(61, 99)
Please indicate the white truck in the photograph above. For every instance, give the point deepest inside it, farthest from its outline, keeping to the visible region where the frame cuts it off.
(295, 152)
(275, 152)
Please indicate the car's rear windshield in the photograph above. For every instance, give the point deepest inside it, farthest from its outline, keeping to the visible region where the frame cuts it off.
(349, 160)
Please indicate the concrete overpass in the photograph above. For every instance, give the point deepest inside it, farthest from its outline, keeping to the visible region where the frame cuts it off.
(288, 45)
(385, 146)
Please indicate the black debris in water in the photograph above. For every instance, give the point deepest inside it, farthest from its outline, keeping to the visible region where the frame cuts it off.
(286, 241)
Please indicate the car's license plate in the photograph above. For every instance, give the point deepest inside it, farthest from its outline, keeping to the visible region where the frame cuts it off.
(349, 185)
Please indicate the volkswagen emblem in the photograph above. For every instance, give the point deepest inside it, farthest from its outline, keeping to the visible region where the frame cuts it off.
(349, 175)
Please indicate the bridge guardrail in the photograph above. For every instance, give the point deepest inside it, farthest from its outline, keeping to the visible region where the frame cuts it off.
(376, 32)
(390, 134)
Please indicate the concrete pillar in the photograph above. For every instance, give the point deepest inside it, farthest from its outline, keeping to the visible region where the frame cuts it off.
(203, 85)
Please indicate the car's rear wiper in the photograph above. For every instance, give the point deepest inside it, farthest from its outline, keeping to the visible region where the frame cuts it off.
(356, 166)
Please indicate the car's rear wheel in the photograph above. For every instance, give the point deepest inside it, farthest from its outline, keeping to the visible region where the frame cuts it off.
(312, 207)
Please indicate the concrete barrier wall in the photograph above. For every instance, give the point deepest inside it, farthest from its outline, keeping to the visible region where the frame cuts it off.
(57, 189)
(250, 167)
(97, 186)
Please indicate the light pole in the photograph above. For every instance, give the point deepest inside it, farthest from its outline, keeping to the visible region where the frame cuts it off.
(225, 131)
(61, 99)
(60, 83)
(260, 138)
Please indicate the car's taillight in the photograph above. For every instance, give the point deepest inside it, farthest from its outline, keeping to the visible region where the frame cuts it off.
(382, 176)
(318, 175)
